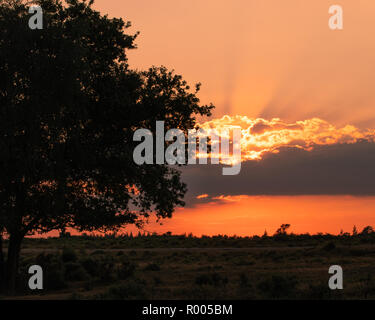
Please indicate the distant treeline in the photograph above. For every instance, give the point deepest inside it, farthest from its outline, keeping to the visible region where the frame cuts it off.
(153, 240)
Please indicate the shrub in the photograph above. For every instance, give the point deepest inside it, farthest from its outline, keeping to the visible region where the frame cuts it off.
(91, 266)
(242, 261)
(45, 260)
(329, 246)
(54, 278)
(75, 296)
(68, 255)
(157, 281)
(213, 279)
(132, 290)
(152, 267)
(278, 287)
(106, 270)
(319, 291)
(75, 272)
(126, 270)
(243, 280)
(97, 252)
(89, 285)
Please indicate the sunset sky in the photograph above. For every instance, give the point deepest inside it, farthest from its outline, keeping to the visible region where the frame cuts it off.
(302, 94)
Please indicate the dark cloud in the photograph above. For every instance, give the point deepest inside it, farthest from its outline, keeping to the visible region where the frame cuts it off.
(259, 128)
(340, 169)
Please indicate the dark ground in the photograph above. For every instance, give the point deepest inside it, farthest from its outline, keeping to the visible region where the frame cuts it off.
(180, 267)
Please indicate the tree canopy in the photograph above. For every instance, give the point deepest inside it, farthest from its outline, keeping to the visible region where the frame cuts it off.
(69, 105)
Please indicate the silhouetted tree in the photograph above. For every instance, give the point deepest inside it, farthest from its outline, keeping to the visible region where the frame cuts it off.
(69, 106)
(283, 229)
(367, 230)
(355, 231)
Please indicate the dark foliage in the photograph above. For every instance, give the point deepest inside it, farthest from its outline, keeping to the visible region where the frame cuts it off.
(69, 106)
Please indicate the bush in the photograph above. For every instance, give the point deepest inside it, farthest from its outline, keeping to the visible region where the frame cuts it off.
(68, 255)
(278, 287)
(106, 269)
(132, 290)
(54, 278)
(45, 260)
(97, 252)
(213, 279)
(157, 281)
(319, 291)
(89, 285)
(75, 272)
(91, 266)
(241, 261)
(152, 267)
(75, 296)
(329, 246)
(126, 270)
(244, 280)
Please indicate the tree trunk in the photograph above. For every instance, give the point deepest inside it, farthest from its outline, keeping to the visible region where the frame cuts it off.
(14, 249)
(2, 265)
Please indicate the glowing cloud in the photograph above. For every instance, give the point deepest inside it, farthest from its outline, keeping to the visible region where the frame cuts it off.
(202, 196)
(260, 136)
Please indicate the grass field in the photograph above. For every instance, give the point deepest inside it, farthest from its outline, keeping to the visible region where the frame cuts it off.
(180, 267)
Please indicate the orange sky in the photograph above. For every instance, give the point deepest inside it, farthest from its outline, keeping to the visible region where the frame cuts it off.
(265, 58)
(246, 216)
